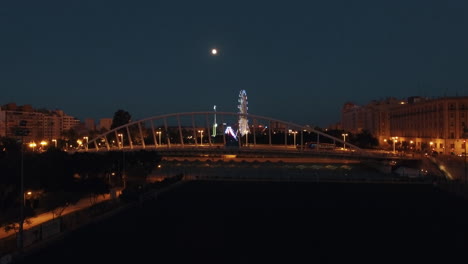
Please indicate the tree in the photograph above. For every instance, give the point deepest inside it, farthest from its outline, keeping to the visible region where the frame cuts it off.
(95, 187)
(70, 137)
(58, 201)
(9, 145)
(121, 117)
(365, 139)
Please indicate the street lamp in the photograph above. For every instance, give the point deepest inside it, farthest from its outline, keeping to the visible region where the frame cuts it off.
(201, 136)
(124, 178)
(28, 194)
(21, 131)
(294, 133)
(32, 145)
(159, 133)
(465, 161)
(121, 140)
(344, 139)
(394, 139)
(86, 146)
(55, 142)
(43, 144)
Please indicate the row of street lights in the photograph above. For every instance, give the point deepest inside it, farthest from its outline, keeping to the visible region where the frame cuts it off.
(44, 143)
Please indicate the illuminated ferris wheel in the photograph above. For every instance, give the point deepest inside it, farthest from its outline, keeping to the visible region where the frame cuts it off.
(243, 121)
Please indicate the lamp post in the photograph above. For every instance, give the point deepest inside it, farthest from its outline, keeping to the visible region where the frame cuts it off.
(43, 144)
(121, 139)
(294, 133)
(465, 179)
(86, 146)
(394, 139)
(344, 139)
(55, 142)
(159, 133)
(201, 136)
(28, 194)
(124, 178)
(21, 131)
(32, 145)
(20, 232)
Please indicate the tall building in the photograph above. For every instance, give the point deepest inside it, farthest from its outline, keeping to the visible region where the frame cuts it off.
(2, 123)
(90, 124)
(417, 123)
(432, 124)
(105, 123)
(69, 122)
(42, 124)
(373, 117)
(52, 126)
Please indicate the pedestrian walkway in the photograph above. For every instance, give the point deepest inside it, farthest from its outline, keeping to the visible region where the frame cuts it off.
(44, 217)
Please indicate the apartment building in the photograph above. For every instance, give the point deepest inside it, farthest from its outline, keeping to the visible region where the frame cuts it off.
(415, 123)
(42, 124)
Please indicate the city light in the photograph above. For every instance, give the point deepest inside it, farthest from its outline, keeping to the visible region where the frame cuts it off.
(159, 134)
(201, 136)
(344, 139)
(27, 196)
(86, 145)
(43, 144)
(294, 133)
(121, 140)
(395, 140)
(32, 145)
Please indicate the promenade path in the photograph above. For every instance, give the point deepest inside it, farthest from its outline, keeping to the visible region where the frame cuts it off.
(46, 216)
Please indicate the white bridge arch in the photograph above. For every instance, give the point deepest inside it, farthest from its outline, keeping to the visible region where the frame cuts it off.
(180, 130)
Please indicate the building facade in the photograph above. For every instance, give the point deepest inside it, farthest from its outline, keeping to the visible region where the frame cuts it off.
(373, 117)
(438, 125)
(105, 123)
(41, 124)
(90, 124)
(416, 123)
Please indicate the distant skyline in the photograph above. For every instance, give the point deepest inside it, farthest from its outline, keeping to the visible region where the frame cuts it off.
(299, 61)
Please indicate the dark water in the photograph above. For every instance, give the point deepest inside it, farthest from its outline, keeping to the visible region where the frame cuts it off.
(258, 222)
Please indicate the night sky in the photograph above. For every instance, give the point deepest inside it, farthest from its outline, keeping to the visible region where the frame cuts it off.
(298, 61)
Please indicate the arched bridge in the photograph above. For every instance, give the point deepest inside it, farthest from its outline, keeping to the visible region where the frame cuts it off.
(216, 130)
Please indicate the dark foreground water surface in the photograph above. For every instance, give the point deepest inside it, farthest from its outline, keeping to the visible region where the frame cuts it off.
(277, 222)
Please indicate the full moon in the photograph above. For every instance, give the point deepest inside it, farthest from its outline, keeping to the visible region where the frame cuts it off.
(214, 51)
